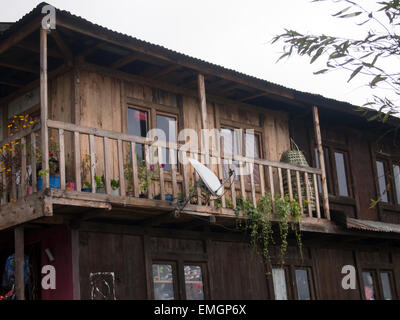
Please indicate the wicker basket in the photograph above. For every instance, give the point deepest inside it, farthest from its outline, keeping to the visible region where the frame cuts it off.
(297, 158)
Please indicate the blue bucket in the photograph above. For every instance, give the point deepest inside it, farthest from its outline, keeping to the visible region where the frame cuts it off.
(53, 180)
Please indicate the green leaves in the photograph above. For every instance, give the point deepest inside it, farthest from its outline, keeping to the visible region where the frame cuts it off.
(355, 72)
(315, 57)
(377, 79)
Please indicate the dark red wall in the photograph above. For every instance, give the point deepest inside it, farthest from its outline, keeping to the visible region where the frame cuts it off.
(58, 240)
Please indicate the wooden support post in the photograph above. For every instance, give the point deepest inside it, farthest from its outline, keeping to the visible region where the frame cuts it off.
(324, 184)
(203, 109)
(19, 263)
(44, 106)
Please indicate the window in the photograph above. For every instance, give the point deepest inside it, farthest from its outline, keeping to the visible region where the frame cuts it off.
(388, 179)
(252, 150)
(381, 172)
(303, 286)
(293, 282)
(396, 178)
(337, 171)
(138, 125)
(168, 125)
(163, 280)
(167, 281)
(194, 283)
(386, 280)
(230, 147)
(341, 174)
(369, 285)
(279, 281)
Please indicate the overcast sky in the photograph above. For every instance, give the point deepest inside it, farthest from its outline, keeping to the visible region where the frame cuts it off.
(234, 34)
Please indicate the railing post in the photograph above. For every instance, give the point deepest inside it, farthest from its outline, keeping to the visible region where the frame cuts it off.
(324, 184)
(44, 106)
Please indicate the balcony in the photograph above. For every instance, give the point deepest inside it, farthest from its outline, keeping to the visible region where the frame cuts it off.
(95, 176)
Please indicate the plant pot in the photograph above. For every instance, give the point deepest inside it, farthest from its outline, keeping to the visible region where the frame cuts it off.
(86, 189)
(142, 196)
(70, 186)
(115, 192)
(101, 190)
(168, 197)
(54, 182)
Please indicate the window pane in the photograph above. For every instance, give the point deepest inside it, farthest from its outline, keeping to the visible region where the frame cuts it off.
(303, 287)
(368, 286)
(194, 283)
(169, 126)
(341, 174)
(387, 290)
(396, 172)
(163, 282)
(252, 151)
(229, 146)
(279, 280)
(380, 167)
(138, 126)
(252, 146)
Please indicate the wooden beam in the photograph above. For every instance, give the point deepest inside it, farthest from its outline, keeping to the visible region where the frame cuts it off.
(324, 183)
(19, 35)
(124, 61)
(32, 48)
(158, 220)
(19, 263)
(254, 96)
(44, 133)
(20, 67)
(92, 49)
(230, 88)
(66, 52)
(34, 84)
(166, 71)
(11, 84)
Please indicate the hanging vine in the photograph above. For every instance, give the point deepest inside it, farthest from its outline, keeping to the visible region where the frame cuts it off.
(258, 222)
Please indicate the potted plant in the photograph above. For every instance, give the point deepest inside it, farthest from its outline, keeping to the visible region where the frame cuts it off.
(115, 187)
(54, 169)
(87, 187)
(100, 184)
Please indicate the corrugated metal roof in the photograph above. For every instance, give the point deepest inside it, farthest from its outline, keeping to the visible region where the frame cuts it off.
(377, 226)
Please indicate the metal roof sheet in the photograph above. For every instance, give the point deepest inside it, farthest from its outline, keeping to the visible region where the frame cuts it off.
(372, 225)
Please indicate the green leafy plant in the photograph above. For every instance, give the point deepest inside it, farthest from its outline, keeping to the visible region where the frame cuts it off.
(258, 222)
(114, 184)
(100, 182)
(43, 173)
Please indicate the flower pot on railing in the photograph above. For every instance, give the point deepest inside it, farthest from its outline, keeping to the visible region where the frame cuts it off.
(86, 189)
(168, 197)
(54, 182)
(100, 190)
(70, 186)
(115, 192)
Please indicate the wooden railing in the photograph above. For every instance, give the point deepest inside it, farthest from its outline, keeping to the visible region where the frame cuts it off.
(18, 165)
(86, 154)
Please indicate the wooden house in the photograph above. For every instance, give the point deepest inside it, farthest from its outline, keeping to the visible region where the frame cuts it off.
(76, 104)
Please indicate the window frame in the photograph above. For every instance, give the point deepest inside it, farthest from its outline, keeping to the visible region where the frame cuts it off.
(388, 163)
(153, 110)
(179, 276)
(329, 150)
(242, 149)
